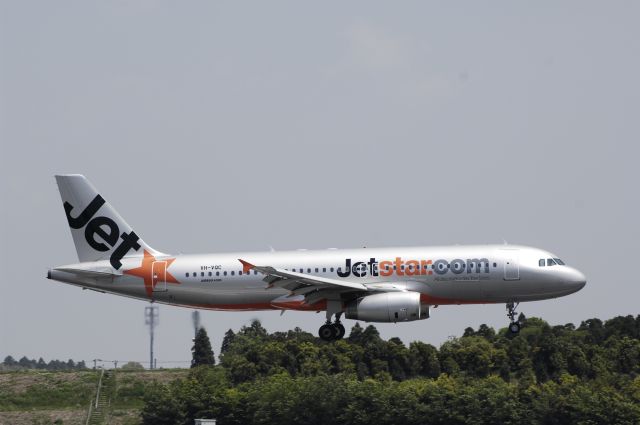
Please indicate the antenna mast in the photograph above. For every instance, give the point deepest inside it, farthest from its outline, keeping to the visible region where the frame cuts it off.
(195, 316)
(151, 319)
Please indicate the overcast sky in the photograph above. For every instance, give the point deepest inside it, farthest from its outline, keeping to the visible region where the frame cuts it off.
(231, 126)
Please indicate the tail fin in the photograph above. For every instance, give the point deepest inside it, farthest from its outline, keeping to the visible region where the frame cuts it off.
(98, 230)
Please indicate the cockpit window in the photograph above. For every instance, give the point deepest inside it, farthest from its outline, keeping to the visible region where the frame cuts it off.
(550, 262)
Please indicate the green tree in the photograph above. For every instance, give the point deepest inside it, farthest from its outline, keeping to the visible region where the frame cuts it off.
(255, 329)
(132, 366)
(201, 350)
(229, 337)
(356, 333)
(10, 361)
(486, 332)
(595, 330)
(162, 406)
(424, 360)
(628, 355)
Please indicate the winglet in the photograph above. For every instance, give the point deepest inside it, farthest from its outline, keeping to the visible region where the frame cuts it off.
(246, 266)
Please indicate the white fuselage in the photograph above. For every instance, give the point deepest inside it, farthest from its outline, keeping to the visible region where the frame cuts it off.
(441, 275)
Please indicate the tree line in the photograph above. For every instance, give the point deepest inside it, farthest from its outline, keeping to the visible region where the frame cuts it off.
(545, 375)
(25, 363)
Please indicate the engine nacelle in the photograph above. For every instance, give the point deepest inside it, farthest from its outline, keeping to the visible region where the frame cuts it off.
(388, 307)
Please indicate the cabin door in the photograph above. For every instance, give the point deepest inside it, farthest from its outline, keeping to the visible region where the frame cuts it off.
(159, 276)
(511, 265)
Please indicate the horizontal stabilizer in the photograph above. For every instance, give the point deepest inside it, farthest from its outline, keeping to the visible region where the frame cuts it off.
(96, 274)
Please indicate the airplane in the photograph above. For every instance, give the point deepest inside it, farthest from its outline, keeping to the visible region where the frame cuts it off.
(368, 284)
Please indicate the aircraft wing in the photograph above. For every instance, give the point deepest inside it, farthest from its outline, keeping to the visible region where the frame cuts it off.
(300, 283)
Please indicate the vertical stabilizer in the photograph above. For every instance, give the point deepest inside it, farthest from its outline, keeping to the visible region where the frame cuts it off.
(98, 231)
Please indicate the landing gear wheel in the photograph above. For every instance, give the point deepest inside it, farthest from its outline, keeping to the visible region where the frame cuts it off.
(514, 327)
(327, 332)
(340, 330)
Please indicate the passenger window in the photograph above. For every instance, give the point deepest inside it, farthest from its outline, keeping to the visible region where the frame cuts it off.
(225, 273)
(194, 274)
(217, 273)
(324, 270)
(541, 262)
(187, 274)
(240, 273)
(210, 274)
(331, 269)
(233, 273)
(255, 272)
(316, 270)
(550, 262)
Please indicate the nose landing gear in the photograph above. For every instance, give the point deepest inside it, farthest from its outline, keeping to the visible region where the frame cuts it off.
(514, 327)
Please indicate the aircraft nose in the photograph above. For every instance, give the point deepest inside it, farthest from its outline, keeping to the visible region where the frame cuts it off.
(576, 280)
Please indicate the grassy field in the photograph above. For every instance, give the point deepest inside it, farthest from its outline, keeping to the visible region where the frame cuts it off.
(41, 397)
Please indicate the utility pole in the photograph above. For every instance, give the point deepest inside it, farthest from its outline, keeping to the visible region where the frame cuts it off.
(151, 319)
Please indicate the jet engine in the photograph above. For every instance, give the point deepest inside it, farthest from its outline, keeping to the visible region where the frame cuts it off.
(387, 307)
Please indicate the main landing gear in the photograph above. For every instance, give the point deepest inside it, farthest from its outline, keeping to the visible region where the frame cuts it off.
(514, 327)
(332, 331)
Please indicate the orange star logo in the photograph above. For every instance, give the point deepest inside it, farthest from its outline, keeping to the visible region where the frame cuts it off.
(153, 272)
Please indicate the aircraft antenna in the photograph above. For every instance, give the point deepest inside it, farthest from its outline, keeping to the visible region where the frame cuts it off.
(151, 319)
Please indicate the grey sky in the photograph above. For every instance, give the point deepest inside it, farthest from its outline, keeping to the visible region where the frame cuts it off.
(227, 126)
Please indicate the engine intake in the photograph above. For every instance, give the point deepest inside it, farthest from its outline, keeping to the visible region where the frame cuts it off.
(388, 307)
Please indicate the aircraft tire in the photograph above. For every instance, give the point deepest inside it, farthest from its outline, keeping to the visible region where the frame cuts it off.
(340, 330)
(327, 332)
(514, 327)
